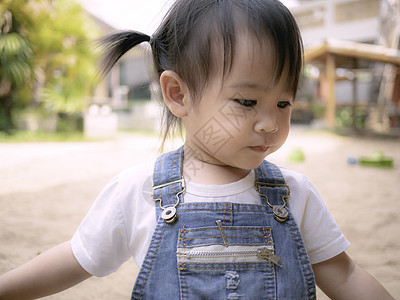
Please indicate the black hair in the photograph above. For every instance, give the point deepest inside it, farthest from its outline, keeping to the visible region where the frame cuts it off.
(190, 34)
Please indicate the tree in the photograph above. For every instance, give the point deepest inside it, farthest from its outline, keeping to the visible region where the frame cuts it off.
(65, 56)
(15, 66)
(59, 72)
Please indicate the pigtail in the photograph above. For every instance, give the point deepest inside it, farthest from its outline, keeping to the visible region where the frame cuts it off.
(115, 45)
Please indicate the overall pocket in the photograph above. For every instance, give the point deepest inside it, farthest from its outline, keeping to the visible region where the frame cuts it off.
(226, 262)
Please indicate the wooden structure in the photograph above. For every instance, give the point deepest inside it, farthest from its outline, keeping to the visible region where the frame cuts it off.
(344, 54)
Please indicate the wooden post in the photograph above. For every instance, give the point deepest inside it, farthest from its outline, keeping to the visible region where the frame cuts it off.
(330, 101)
(355, 94)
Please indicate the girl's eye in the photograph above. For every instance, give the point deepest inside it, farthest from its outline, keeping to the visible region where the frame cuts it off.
(245, 102)
(284, 104)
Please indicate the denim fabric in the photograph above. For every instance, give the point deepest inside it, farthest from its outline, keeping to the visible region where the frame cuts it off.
(196, 258)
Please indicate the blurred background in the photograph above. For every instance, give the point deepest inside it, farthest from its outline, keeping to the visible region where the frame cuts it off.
(64, 133)
(351, 80)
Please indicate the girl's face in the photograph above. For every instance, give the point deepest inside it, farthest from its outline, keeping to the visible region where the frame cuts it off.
(242, 118)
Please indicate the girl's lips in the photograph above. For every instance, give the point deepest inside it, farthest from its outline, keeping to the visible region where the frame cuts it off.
(259, 148)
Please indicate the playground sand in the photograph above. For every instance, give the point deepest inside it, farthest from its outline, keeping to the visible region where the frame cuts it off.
(47, 188)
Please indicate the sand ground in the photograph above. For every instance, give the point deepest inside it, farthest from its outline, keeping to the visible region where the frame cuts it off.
(47, 188)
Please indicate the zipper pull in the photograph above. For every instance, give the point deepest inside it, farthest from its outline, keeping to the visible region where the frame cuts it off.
(265, 253)
(222, 231)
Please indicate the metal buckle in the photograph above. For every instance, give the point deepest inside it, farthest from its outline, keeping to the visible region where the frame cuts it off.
(280, 212)
(182, 181)
(169, 214)
(258, 183)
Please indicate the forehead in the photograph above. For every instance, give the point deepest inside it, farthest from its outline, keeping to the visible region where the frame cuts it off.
(254, 65)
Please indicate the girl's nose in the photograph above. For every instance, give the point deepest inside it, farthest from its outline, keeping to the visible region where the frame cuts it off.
(267, 124)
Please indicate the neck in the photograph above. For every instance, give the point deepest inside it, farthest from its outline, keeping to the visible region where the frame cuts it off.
(211, 172)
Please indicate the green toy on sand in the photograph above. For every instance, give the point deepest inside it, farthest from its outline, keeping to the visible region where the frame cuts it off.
(376, 159)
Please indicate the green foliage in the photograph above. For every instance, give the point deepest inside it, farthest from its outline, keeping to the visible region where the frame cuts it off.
(70, 71)
(15, 53)
(40, 136)
(46, 57)
(69, 123)
(345, 118)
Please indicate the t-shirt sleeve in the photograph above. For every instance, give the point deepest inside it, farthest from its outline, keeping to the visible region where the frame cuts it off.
(321, 234)
(100, 242)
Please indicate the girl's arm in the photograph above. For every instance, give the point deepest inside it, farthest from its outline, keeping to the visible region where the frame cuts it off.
(53, 271)
(340, 278)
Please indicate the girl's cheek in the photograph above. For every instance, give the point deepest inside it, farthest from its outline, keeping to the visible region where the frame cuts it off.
(213, 135)
(236, 116)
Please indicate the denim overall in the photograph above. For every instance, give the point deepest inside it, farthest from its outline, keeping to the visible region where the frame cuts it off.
(223, 250)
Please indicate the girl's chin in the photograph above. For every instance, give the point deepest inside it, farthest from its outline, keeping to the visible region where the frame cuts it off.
(250, 164)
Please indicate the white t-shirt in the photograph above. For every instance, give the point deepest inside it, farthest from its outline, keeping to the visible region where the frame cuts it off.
(121, 222)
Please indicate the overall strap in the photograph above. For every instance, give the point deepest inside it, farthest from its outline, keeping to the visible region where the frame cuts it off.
(270, 173)
(274, 192)
(168, 183)
(272, 188)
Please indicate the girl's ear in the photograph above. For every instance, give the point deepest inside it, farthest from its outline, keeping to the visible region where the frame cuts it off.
(175, 93)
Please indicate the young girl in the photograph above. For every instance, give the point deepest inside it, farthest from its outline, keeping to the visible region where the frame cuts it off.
(212, 220)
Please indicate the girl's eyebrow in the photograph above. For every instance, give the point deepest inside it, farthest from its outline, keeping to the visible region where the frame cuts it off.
(247, 84)
(254, 85)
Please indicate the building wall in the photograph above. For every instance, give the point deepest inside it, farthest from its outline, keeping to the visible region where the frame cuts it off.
(355, 20)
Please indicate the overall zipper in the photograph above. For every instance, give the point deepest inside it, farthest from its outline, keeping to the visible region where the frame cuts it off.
(261, 253)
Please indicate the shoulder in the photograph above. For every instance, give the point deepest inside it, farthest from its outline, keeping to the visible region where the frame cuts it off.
(106, 237)
(304, 197)
(299, 184)
(293, 179)
(136, 175)
(137, 171)
(130, 179)
(123, 195)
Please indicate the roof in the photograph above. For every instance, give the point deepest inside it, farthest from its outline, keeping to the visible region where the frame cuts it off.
(351, 50)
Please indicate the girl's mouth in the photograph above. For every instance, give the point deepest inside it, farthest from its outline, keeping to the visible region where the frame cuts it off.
(260, 148)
